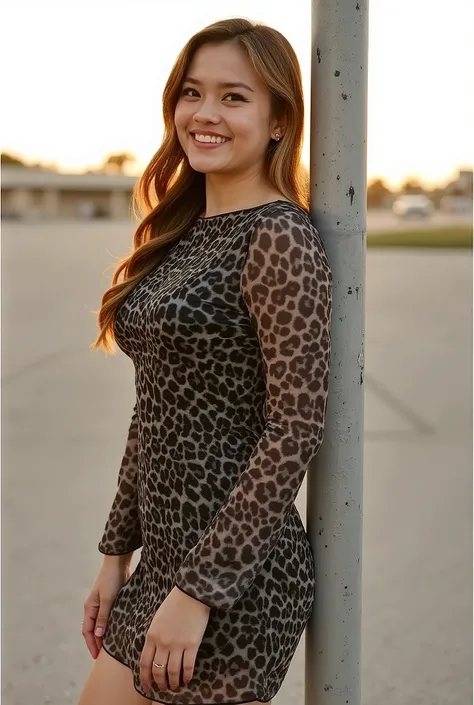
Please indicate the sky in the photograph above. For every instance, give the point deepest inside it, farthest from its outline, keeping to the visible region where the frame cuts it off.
(85, 79)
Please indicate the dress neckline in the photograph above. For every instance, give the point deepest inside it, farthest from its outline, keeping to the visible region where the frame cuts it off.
(245, 210)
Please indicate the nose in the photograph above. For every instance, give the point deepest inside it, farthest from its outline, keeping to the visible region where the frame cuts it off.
(201, 119)
(206, 113)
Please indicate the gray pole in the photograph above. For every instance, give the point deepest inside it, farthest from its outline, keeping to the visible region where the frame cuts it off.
(338, 209)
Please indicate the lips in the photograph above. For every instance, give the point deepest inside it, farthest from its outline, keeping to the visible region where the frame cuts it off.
(222, 140)
(208, 134)
(208, 145)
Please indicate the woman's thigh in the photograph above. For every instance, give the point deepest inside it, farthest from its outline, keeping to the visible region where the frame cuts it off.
(110, 683)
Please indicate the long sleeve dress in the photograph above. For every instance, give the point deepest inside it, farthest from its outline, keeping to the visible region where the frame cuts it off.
(230, 340)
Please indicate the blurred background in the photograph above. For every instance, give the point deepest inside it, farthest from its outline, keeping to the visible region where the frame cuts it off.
(84, 84)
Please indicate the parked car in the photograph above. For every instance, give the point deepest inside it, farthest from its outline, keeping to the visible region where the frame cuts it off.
(413, 205)
(456, 204)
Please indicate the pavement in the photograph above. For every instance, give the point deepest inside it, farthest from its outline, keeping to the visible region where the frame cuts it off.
(65, 416)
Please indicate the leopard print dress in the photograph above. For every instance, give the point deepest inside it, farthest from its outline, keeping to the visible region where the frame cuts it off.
(230, 340)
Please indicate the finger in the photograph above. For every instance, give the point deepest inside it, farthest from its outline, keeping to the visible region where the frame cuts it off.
(88, 626)
(101, 622)
(159, 674)
(146, 660)
(175, 661)
(189, 661)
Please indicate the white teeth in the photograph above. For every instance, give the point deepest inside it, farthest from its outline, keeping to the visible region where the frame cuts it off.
(208, 138)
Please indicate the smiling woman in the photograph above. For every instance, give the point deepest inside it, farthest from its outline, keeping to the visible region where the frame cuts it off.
(224, 308)
(245, 121)
(262, 161)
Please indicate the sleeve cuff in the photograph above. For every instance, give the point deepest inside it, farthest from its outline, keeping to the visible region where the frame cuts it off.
(193, 596)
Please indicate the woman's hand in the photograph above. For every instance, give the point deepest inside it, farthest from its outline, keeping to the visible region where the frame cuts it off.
(113, 575)
(173, 640)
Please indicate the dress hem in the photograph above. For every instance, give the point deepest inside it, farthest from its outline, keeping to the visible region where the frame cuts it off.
(233, 702)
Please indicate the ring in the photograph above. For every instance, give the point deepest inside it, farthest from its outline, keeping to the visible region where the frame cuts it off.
(158, 665)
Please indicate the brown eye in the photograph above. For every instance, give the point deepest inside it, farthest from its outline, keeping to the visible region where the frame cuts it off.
(238, 96)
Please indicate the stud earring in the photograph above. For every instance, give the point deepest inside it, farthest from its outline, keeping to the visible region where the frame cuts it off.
(277, 137)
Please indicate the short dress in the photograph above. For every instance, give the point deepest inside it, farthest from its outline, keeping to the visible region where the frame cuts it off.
(229, 336)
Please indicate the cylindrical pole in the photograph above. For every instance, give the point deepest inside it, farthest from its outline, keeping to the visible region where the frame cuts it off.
(338, 208)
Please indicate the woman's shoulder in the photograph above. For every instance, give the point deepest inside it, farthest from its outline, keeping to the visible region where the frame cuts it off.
(291, 230)
(287, 216)
(286, 213)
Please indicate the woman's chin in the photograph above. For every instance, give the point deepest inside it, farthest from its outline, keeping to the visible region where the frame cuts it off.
(204, 166)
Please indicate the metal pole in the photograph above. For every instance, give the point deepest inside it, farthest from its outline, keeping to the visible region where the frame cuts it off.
(338, 208)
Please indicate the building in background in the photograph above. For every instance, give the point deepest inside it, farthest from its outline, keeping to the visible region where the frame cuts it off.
(32, 194)
(458, 196)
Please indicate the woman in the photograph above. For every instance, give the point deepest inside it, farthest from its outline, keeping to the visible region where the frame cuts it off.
(224, 308)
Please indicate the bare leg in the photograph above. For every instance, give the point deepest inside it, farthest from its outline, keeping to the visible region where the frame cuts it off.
(110, 683)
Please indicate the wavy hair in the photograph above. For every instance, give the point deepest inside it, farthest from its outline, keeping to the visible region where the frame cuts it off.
(170, 194)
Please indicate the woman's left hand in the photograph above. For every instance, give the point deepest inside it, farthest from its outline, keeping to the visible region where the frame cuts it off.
(173, 640)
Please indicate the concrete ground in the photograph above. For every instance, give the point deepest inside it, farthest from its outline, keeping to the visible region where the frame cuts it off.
(65, 416)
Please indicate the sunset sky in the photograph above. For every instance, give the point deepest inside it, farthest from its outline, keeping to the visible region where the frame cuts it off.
(84, 79)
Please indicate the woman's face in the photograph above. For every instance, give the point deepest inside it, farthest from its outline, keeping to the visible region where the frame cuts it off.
(240, 113)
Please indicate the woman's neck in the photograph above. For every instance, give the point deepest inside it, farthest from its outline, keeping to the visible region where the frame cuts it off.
(227, 197)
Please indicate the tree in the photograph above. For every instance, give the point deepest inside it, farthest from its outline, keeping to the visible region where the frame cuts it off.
(44, 167)
(435, 195)
(115, 163)
(412, 186)
(458, 190)
(9, 160)
(377, 194)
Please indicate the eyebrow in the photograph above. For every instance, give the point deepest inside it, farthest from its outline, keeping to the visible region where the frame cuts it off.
(188, 79)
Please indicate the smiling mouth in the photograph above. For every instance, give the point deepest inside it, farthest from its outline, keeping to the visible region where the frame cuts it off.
(215, 142)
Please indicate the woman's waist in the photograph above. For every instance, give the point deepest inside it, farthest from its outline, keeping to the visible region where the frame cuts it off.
(184, 430)
(290, 558)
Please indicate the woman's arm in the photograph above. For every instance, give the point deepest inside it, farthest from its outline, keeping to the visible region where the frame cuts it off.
(122, 534)
(286, 286)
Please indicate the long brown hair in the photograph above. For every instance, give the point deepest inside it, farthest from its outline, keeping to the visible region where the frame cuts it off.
(170, 195)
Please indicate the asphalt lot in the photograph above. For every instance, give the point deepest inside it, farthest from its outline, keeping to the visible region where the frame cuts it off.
(64, 418)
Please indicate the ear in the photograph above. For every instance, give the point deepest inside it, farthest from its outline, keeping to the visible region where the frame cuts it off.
(279, 126)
